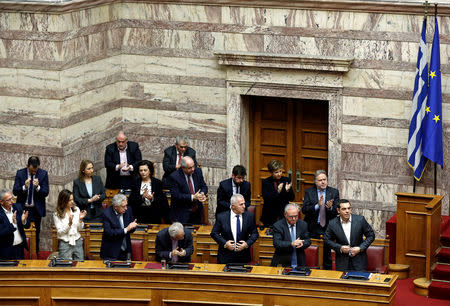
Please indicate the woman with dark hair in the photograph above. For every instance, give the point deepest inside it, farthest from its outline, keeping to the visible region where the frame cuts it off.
(69, 222)
(276, 192)
(147, 199)
(89, 192)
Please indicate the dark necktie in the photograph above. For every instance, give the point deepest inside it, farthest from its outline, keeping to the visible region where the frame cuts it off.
(30, 190)
(123, 247)
(191, 186)
(322, 211)
(294, 251)
(238, 228)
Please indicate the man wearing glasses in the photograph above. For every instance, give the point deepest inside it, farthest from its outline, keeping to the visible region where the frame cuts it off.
(290, 239)
(173, 155)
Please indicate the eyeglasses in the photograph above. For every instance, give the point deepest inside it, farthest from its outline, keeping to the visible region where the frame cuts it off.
(292, 217)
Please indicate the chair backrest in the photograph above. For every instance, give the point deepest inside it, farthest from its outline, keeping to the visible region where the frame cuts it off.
(375, 256)
(312, 256)
(137, 249)
(252, 209)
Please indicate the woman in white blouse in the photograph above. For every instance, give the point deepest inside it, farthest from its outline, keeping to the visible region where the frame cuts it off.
(69, 222)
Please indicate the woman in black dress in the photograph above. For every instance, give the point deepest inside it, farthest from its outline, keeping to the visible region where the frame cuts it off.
(276, 192)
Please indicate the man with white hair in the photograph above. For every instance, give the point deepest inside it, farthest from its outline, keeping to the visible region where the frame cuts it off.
(118, 224)
(235, 232)
(174, 244)
(290, 239)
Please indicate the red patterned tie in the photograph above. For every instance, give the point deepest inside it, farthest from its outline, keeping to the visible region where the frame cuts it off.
(322, 213)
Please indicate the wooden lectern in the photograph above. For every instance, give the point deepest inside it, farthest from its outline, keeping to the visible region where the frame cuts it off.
(418, 232)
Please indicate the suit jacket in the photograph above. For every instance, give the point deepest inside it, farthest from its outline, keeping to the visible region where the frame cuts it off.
(181, 203)
(225, 191)
(38, 196)
(221, 233)
(81, 196)
(112, 158)
(312, 215)
(7, 231)
(282, 243)
(163, 245)
(274, 202)
(335, 238)
(170, 159)
(113, 233)
(157, 210)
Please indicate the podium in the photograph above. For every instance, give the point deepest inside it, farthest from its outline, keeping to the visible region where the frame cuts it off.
(418, 232)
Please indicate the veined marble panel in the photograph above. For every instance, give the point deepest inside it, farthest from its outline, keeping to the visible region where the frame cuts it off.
(180, 96)
(169, 12)
(239, 42)
(24, 134)
(368, 135)
(22, 106)
(180, 120)
(90, 99)
(375, 107)
(379, 79)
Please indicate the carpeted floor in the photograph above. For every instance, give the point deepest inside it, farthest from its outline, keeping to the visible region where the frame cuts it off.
(405, 296)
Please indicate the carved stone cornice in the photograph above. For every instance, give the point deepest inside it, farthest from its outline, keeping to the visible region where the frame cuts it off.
(406, 8)
(284, 61)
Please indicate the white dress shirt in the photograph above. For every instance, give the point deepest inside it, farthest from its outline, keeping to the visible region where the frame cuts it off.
(66, 233)
(346, 226)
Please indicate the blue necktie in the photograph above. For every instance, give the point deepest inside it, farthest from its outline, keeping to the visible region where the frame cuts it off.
(30, 191)
(294, 251)
(238, 229)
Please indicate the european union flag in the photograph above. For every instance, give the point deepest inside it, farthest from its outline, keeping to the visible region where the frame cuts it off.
(432, 140)
(416, 132)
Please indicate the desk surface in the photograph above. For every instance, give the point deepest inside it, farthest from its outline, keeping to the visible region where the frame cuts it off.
(33, 282)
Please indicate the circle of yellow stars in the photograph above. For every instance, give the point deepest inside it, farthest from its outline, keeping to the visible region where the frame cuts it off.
(427, 109)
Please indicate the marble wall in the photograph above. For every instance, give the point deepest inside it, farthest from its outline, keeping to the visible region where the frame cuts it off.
(73, 74)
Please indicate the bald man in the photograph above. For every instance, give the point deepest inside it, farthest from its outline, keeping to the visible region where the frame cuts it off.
(188, 191)
(121, 158)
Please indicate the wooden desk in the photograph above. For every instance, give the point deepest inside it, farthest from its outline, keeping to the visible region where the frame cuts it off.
(90, 283)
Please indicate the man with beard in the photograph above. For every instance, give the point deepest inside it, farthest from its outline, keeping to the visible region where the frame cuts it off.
(234, 185)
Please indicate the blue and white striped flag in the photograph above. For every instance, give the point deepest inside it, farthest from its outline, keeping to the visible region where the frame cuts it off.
(415, 151)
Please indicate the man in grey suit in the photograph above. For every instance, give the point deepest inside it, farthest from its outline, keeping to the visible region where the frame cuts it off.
(344, 235)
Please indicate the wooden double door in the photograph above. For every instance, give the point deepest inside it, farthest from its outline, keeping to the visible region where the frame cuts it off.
(293, 131)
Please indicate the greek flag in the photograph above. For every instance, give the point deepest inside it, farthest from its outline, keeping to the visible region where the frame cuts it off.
(419, 103)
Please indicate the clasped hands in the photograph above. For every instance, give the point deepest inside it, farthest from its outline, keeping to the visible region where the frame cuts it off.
(35, 183)
(83, 214)
(351, 251)
(147, 195)
(124, 167)
(178, 252)
(237, 247)
(288, 186)
(199, 196)
(297, 243)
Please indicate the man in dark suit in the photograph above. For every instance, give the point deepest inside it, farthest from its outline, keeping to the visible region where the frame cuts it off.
(172, 157)
(31, 188)
(235, 232)
(174, 244)
(233, 185)
(12, 223)
(188, 191)
(319, 207)
(118, 224)
(345, 234)
(290, 239)
(121, 158)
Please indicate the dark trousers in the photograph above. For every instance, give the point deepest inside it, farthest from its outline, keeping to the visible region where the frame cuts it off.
(34, 216)
(15, 252)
